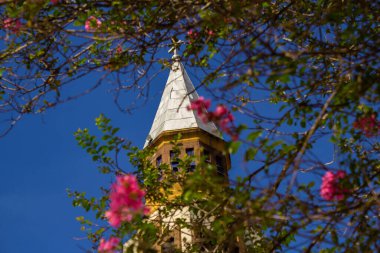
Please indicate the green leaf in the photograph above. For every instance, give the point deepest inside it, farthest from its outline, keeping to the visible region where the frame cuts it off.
(78, 23)
(250, 154)
(234, 147)
(115, 130)
(254, 135)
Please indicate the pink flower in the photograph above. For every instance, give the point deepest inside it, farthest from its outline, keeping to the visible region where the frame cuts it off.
(222, 117)
(126, 201)
(200, 105)
(54, 2)
(330, 188)
(224, 123)
(340, 174)
(108, 246)
(205, 102)
(220, 111)
(210, 33)
(119, 49)
(192, 35)
(369, 125)
(92, 24)
(12, 24)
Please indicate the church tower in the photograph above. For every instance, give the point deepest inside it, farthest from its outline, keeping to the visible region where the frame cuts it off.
(198, 139)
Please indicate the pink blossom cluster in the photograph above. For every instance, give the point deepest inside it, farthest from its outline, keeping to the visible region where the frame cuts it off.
(109, 246)
(330, 188)
(126, 200)
(12, 24)
(193, 35)
(210, 33)
(221, 116)
(92, 24)
(369, 125)
(119, 49)
(200, 105)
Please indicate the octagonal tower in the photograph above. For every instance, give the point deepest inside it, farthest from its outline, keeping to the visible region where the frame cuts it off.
(197, 139)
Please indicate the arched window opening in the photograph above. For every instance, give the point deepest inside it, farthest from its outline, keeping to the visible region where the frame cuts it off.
(158, 163)
(220, 168)
(173, 161)
(190, 153)
(207, 156)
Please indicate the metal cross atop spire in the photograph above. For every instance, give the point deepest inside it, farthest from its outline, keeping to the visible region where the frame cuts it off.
(174, 49)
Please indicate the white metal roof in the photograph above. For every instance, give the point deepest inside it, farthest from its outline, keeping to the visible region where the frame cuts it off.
(172, 113)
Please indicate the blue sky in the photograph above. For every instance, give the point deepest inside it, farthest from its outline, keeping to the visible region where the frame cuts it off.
(40, 159)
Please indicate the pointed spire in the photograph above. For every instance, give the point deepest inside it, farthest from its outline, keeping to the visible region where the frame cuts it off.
(172, 113)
